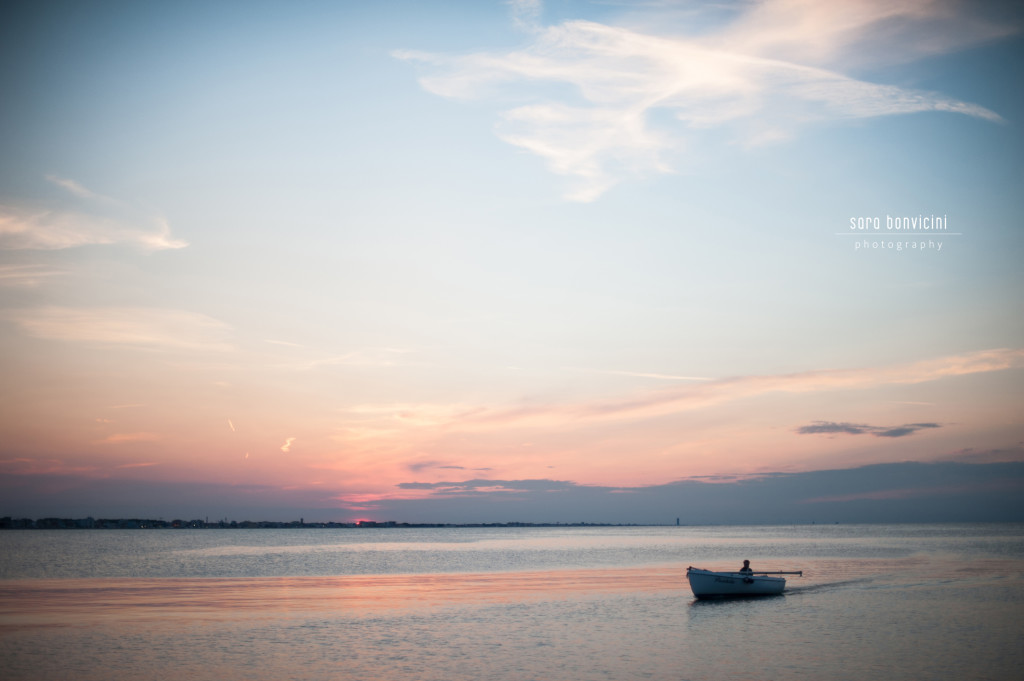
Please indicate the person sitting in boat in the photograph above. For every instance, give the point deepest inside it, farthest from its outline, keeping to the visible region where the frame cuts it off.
(745, 570)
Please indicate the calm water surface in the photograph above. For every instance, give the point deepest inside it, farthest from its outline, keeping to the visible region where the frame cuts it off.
(558, 604)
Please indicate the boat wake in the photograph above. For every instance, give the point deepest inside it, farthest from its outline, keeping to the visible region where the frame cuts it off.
(827, 586)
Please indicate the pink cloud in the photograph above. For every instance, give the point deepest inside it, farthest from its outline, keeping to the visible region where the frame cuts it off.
(118, 438)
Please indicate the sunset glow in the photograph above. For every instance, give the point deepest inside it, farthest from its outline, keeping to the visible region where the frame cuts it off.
(354, 260)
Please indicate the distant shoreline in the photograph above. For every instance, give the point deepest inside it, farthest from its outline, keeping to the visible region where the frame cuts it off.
(9, 523)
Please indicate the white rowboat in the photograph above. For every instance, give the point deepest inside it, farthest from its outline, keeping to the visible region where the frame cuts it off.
(709, 584)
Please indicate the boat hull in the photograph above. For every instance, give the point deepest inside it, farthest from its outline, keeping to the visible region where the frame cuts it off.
(708, 584)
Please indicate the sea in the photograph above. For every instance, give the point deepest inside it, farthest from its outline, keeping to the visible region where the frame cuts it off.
(891, 602)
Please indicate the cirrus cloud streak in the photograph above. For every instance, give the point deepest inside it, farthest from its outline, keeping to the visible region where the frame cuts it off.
(383, 421)
(93, 220)
(133, 326)
(761, 76)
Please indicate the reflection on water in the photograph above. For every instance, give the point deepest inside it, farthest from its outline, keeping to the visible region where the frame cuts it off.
(936, 603)
(79, 602)
(329, 552)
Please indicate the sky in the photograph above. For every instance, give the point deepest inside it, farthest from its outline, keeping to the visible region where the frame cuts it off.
(563, 261)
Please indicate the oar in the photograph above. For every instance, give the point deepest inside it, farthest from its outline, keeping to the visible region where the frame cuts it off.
(801, 573)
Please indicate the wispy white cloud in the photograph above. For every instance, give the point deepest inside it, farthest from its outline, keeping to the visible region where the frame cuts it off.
(369, 422)
(719, 391)
(365, 357)
(27, 276)
(374, 422)
(526, 14)
(643, 374)
(96, 220)
(47, 230)
(136, 326)
(77, 189)
(30, 466)
(284, 343)
(858, 32)
(776, 67)
(120, 438)
(287, 446)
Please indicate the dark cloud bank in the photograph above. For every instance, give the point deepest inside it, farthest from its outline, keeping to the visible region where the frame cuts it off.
(900, 492)
(832, 428)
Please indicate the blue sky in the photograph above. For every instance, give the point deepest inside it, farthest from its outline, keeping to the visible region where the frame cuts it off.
(363, 254)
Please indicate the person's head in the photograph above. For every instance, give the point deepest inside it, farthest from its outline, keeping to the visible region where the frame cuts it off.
(746, 563)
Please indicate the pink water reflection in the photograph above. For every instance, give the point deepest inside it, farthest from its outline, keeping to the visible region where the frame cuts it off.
(78, 602)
